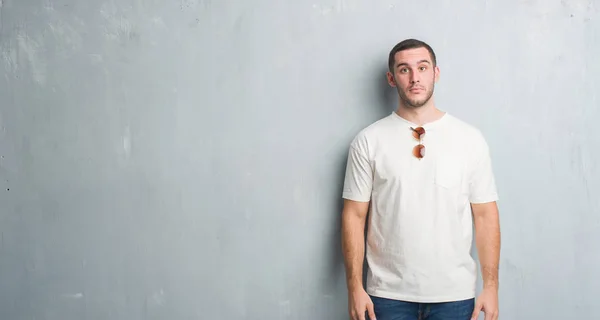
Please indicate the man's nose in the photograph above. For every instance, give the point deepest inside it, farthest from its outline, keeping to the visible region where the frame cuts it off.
(414, 78)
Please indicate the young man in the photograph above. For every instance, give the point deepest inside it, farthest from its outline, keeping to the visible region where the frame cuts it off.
(426, 177)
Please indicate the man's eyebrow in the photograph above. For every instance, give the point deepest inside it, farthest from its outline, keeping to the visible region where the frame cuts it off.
(406, 64)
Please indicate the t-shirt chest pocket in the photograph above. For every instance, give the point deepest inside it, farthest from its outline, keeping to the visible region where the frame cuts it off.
(448, 171)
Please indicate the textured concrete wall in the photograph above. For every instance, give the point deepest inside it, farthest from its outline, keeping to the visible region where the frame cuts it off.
(183, 159)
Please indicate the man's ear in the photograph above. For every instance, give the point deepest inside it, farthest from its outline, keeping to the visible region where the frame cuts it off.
(390, 79)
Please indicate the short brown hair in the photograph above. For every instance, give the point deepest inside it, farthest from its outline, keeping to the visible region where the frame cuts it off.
(409, 44)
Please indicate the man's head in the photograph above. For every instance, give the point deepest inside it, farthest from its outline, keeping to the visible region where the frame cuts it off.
(413, 71)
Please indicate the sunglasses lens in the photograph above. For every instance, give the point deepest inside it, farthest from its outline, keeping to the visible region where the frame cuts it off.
(418, 132)
(419, 151)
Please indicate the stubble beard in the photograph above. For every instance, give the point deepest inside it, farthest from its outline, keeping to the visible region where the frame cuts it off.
(414, 103)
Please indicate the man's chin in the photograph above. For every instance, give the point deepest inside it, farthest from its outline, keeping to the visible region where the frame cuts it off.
(415, 103)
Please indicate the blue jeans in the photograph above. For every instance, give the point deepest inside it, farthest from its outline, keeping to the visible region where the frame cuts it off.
(387, 309)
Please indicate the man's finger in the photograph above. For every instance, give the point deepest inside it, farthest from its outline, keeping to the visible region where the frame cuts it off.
(361, 314)
(476, 311)
(489, 315)
(371, 311)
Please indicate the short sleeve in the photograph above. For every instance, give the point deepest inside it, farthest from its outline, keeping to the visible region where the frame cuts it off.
(358, 181)
(482, 187)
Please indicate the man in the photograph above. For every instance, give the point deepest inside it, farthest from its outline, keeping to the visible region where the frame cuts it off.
(426, 177)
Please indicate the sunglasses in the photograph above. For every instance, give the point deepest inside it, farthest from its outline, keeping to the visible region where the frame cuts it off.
(418, 150)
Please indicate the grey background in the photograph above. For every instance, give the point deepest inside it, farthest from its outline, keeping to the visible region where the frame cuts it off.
(183, 159)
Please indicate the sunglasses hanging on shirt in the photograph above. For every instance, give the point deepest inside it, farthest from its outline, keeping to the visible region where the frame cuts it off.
(419, 150)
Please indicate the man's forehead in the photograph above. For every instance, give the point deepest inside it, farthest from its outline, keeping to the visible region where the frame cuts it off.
(413, 56)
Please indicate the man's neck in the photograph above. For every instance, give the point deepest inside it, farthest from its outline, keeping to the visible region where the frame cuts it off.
(420, 116)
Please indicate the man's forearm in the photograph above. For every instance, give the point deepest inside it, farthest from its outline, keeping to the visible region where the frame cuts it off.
(353, 248)
(487, 238)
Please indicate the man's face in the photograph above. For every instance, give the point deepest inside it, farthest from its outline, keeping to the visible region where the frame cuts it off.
(414, 76)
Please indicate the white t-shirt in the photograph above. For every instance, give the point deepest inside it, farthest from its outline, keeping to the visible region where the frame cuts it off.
(420, 222)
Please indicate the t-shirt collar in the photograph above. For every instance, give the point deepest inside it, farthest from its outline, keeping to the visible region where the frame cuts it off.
(426, 125)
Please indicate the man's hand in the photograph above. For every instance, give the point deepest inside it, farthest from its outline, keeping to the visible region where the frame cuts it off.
(359, 303)
(488, 303)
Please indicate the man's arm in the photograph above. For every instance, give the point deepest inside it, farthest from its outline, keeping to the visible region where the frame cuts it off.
(487, 238)
(353, 241)
(353, 246)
